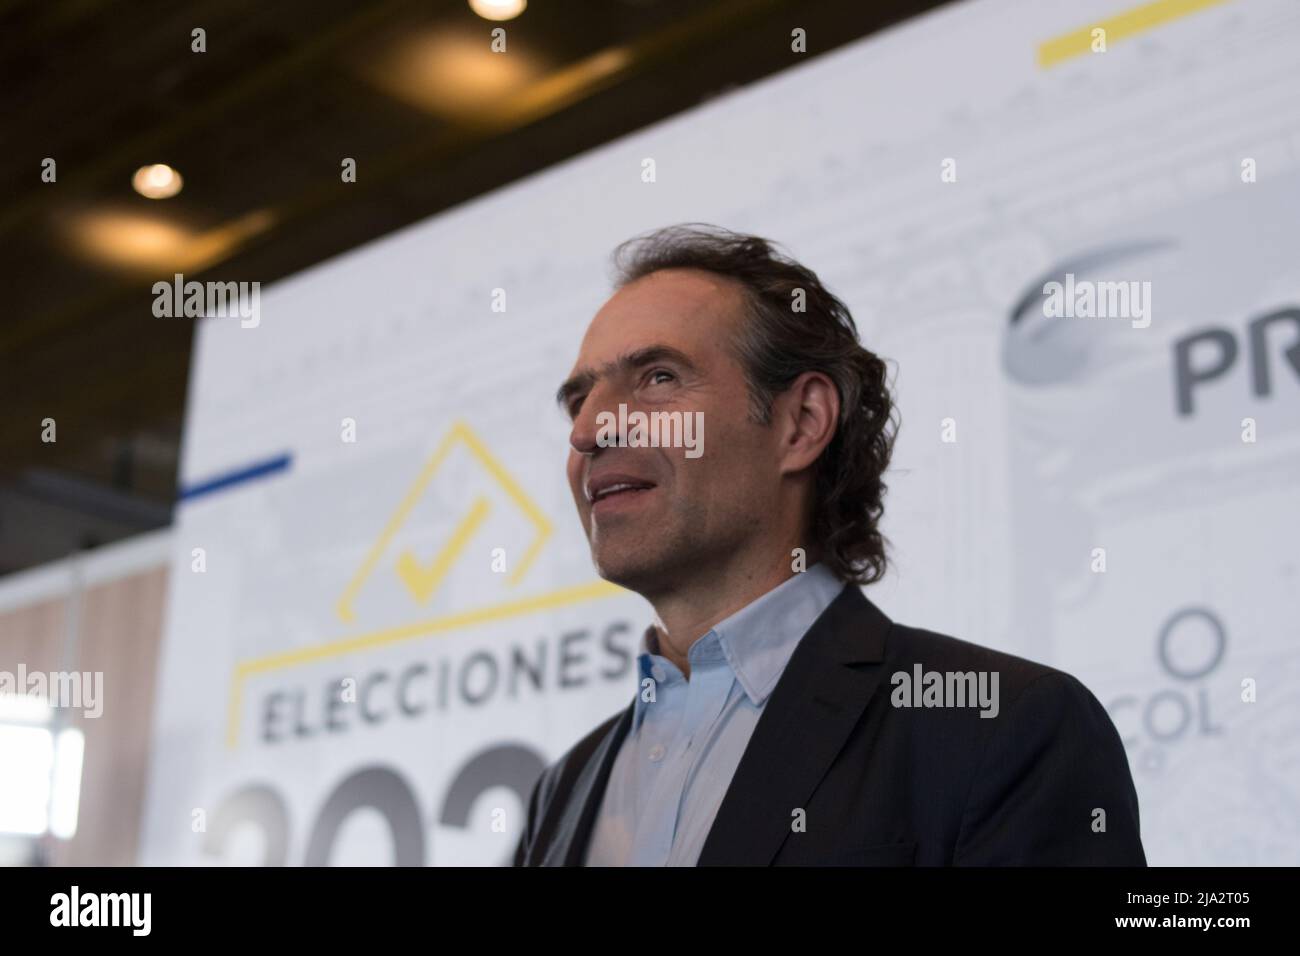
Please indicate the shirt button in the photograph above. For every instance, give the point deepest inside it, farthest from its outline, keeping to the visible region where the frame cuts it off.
(658, 673)
(657, 753)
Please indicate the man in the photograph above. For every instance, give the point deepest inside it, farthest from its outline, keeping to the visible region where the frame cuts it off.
(781, 717)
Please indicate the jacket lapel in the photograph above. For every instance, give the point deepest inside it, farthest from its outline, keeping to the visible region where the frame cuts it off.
(568, 841)
(816, 703)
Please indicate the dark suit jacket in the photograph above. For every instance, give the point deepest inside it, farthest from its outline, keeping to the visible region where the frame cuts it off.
(883, 785)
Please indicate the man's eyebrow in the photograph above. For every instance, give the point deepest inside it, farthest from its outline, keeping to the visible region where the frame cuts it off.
(586, 378)
(577, 383)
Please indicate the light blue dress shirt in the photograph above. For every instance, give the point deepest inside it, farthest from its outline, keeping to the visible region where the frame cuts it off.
(674, 766)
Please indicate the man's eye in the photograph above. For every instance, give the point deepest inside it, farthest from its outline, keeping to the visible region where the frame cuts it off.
(657, 372)
(574, 406)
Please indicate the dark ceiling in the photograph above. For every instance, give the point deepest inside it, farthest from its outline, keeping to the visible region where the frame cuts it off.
(258, 126)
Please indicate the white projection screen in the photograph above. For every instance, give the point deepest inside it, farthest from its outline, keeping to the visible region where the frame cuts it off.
(383, 619)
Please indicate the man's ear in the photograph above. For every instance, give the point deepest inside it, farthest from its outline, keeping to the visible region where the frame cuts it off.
(806, 415)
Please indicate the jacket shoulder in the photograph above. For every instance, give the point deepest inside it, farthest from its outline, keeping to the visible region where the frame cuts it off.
(1040, 772)
(933, 651)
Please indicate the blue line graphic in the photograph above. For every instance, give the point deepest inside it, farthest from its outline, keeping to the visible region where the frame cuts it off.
(231, 478)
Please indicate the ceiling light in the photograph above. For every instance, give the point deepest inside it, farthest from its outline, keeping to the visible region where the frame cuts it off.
(131, 239)
(498, 9)
(158, 181)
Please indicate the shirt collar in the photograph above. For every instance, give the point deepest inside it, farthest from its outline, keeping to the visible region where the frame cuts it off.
(758, 640)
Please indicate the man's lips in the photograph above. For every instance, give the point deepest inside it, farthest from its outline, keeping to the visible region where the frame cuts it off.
(613, 487)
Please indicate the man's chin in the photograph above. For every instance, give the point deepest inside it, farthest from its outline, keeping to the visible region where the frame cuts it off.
(635, 572)
(622, 573)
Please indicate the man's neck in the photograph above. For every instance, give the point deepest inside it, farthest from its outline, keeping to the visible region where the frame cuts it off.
(683, 616)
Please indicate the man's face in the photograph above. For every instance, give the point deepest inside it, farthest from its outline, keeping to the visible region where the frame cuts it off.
(663, 344)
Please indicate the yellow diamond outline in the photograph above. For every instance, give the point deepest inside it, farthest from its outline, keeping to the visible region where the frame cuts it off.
(459, 432)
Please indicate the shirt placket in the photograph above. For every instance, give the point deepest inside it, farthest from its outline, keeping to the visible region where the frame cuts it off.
(655, 822)
(705, 700)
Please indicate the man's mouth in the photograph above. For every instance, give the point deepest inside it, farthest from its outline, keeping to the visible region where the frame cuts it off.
(619, 490)
(612, 491)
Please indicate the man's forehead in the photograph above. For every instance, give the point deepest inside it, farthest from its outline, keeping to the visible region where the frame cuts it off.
(687, 287)
(693, 306)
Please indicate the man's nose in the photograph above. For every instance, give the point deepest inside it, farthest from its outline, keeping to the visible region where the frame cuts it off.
(586, 424)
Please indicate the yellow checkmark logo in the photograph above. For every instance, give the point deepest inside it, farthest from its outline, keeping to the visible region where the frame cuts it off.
(421, 580)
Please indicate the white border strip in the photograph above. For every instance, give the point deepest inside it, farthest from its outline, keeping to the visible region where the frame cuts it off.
(121, 559)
